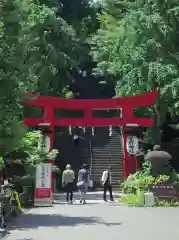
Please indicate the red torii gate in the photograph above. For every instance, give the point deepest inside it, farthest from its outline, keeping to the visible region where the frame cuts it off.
(127, 104)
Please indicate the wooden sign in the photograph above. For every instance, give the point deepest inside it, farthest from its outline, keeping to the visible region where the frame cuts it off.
(43, 185)
(164, 191)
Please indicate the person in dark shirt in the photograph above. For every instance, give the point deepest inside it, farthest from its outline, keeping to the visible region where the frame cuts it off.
(107, 184)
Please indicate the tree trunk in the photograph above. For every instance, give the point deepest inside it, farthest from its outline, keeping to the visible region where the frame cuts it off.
(159, 116)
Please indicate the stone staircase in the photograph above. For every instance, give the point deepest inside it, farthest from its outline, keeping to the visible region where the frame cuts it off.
(98, 151)
(107, 150)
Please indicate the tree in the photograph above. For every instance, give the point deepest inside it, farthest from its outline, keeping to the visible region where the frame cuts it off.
(139, 48)
(37, 48)
(13, 80)
(30, 152)
(82, 16)
(50, 47)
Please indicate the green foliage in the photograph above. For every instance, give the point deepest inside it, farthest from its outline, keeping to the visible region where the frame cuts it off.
(137, 200)
(1, 163)
(81, 14)
(133, 199)
(140, 181)
(140, 47)
(137, 184)
(41, 42)
(137, 181)
(137, 47)
(50, 46)
(37, 50)
(31, 152)
(32, 145)
(172, 203)
(12, 79)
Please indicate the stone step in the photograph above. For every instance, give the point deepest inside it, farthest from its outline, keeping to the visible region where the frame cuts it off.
(99, 173)
(115, 179)
(96, 195)
(111, 153)
(103, 166)
(109, 145)
(114, 173)
(114, 176)
(107, 157)
(112, 147)
(101, 170)
(100, 161)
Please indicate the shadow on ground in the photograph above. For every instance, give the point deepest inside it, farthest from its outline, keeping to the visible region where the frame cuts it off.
(32, 221)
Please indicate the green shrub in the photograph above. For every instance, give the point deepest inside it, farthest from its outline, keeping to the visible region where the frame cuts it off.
(137, 199)
(160, 203)
(137, 181)
(140, 181)
(1, 163)
(137, 184)
(133, 199)
(27, 155)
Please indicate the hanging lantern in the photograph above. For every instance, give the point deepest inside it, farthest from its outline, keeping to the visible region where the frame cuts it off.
(132, 145)
(92, 131)
(110, 131)
(70, 130)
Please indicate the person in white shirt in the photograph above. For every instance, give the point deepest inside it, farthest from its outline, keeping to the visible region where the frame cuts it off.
(106, 182)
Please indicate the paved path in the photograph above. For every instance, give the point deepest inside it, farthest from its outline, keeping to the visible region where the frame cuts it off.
(96, 196)
(97, 221)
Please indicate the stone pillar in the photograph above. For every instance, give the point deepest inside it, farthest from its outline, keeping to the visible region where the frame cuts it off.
(48, 118)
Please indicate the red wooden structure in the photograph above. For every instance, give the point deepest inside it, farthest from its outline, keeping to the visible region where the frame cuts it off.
(127, 104)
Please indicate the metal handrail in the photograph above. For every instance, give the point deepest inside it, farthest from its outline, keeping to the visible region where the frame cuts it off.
(91, 158)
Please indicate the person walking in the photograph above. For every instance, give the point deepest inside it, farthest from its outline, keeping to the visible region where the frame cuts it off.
(106, 182)
(83, 182)
(68, 178)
